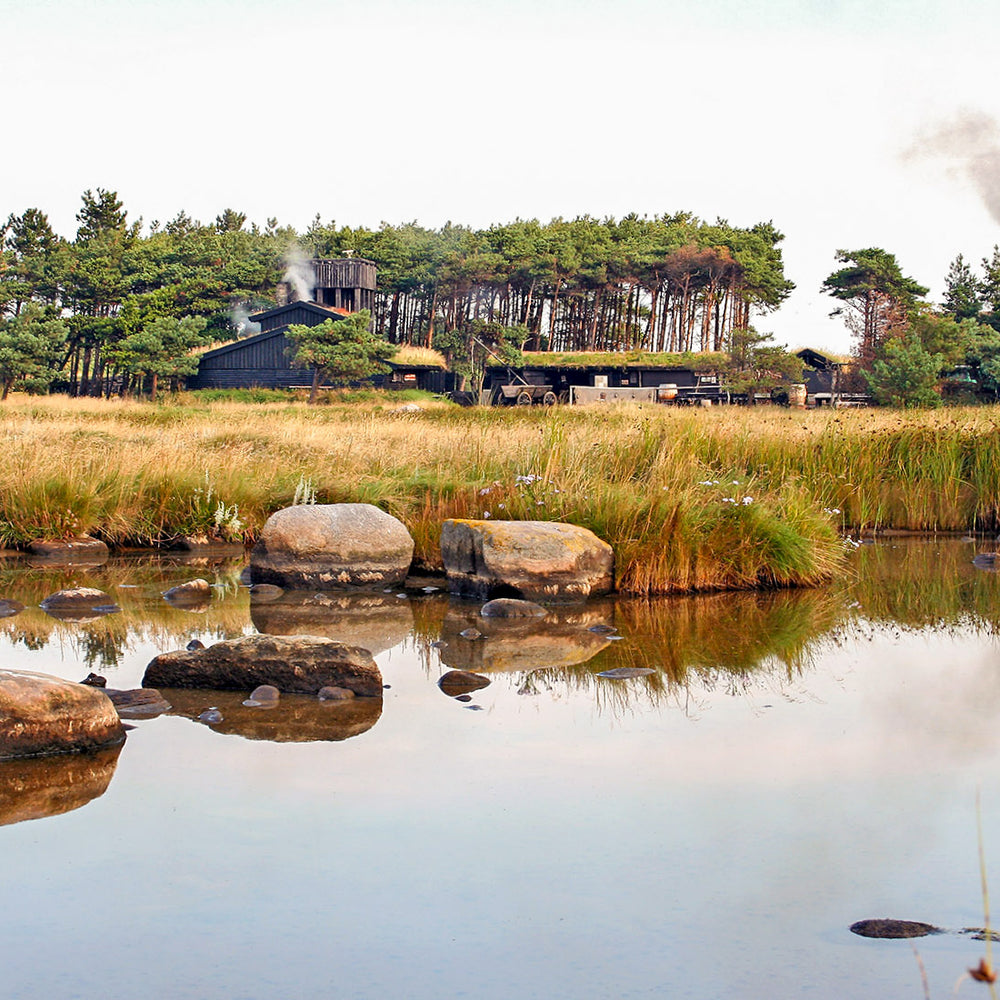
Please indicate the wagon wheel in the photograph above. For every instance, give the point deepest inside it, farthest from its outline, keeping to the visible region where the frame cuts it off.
(549, 399)
(524, 399)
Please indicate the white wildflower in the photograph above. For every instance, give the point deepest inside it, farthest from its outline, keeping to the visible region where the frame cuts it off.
(746, 500)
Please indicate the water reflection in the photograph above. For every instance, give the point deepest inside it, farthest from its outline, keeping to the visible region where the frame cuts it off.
(47, 786)
(292, 719)
(375, 622)
(556, 642)
(732, 641)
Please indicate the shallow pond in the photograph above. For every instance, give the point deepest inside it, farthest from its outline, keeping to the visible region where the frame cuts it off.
(795, 762)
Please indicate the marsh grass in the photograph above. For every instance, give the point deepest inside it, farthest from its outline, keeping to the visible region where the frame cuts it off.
(690, 500)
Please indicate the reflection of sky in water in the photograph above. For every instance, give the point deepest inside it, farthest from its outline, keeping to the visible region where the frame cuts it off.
(551, 845)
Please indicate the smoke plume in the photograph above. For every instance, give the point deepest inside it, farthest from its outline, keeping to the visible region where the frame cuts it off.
(239, 319)
(299, 273)
(970, 143)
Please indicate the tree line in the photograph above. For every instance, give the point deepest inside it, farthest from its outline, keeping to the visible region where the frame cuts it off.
(121, 303)
(910, 352)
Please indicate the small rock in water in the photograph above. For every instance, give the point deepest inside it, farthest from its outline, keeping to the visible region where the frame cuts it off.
(471, 633)
(602, 629)
(623, 673)
(474, 708)
(987, 560)
(330, 693)
(10, 608)
(250, 703)
(439, 644)
(463, 697)
(884, 927)
(456, 682)
(95, 680)
(195, 644)
(510, 607)
(266, 692)
(211, 716)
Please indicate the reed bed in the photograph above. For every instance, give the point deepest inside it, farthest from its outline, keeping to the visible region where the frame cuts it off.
(691, 500)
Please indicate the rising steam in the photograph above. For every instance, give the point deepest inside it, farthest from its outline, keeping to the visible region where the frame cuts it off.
(970, 142)
(299, 273)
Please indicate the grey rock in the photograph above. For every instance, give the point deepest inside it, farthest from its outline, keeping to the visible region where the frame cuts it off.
(330, 547)
(265, 692)
(299, 664)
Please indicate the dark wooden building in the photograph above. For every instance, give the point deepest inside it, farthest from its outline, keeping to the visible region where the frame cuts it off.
(340, 287)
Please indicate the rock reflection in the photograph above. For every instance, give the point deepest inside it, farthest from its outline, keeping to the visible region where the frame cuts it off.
(36, 787)
(559, 640)
(375, 622)
(293, 719)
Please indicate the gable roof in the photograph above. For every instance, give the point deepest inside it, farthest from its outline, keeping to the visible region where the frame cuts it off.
(323, 312)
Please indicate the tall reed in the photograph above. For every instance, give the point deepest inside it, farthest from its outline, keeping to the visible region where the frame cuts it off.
(691, 500)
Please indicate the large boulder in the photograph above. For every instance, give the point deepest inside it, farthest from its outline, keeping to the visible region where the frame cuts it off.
(330, 547)
(40, 715)
(297, 664)
(546, 561)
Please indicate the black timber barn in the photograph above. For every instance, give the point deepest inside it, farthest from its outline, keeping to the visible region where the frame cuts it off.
(339, 287)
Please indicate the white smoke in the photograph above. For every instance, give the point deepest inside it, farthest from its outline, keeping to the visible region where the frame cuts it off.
(970, 143)
(239, 319)
(299, 273)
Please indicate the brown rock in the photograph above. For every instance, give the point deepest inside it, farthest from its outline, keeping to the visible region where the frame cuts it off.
(459, 682)
(545, 561)
(40, 714)
(77, 599)
(510, 607)
(335, 694)
(330, 547)
(301, 664)
(83, 550)
(195, 594)
(139, 703)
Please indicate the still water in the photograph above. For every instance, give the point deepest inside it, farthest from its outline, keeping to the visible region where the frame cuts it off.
(795, 762)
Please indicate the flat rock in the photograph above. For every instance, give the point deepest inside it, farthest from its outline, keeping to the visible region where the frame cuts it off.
(331, 547)
(299, 664)
(10, 608)
(77, 599)
(91, 551)
(884, 927)
(40, 715)
(458, 682)
(987, 560)
(138, 703)
(544, 561)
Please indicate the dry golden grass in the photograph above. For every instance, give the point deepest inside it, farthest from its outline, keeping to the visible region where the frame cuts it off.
(665, 486)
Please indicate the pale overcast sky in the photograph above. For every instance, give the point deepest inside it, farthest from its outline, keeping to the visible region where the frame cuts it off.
(797, 111)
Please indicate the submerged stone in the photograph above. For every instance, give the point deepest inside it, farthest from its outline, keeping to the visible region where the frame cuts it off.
(511, 607)
(884, 927)
(459, 682)
(10, 608)
(623, 673)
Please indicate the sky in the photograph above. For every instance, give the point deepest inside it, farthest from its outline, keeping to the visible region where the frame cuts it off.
(848, 124)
